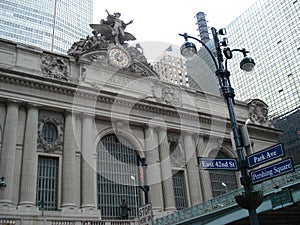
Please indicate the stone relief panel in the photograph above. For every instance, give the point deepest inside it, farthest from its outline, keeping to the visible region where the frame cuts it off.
(54, 67)
(167, 94)
(258, 112)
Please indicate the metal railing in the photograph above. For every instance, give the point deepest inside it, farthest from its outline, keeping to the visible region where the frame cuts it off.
(45, 221)
(7, 222)
(228, 199)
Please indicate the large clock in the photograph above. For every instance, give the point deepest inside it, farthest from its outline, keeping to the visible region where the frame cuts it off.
(118, 57)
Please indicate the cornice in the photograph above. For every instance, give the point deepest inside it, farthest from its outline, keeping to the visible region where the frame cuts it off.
(72, 89)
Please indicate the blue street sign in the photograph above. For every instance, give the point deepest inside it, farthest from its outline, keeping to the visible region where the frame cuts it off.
(217, 164)
(265, 155)
(272, 171)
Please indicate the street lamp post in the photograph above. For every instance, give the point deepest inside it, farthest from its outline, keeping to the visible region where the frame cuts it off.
(247, 64)
(135, 194)
(226, 188)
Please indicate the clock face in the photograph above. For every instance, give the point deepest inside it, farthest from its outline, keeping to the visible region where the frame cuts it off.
(119, 57)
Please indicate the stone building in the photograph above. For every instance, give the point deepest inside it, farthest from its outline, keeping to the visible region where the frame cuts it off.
(75, 130)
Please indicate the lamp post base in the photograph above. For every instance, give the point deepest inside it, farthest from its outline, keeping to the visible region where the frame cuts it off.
(250, 200)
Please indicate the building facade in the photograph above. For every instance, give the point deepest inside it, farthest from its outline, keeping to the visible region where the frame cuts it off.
(201, 71)
(51, 25)
(290, 125)
(270, 30)
(171, 66)
(75, 128)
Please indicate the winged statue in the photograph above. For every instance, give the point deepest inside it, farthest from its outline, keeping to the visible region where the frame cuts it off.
(113, 29)
(109, 34)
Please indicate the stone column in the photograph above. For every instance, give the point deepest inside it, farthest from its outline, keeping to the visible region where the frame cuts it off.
(7, 159)
(29, 159)
(166, 172)
(153, 169)
(88, 166)
(192, 169)
(68, 163)
(204, 174)
(206, 185)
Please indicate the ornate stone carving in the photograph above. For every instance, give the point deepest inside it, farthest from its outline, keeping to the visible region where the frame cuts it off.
(167, 95)
(54, 67)
(57, 143)
(137, 53)
(258, 112)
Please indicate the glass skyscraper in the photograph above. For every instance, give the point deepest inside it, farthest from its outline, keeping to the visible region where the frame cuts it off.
(50, 24)
(270, 30)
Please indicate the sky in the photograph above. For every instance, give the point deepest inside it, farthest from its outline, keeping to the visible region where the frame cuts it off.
(156, 23)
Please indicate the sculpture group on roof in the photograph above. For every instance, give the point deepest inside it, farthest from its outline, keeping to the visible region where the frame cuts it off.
(113, 27)
(109, 31)
(108, 36)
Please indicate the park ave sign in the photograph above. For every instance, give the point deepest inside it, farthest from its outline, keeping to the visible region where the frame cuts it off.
(265, 155)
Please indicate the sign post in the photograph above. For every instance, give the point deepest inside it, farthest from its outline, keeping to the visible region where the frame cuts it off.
(145, 214)
(252, 198)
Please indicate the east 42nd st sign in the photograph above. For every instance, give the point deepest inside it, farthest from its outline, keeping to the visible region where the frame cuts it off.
(215, 164)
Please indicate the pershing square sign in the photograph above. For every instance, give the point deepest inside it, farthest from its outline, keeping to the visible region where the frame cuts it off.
(272, 171)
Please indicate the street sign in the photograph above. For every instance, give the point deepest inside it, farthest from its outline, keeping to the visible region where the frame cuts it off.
(217, 164)
(265, 155)
(145, 214)
(271, 171)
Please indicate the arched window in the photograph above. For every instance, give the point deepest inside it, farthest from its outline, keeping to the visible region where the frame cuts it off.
(222, 181)
(117, 177)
